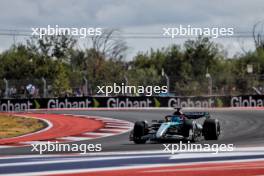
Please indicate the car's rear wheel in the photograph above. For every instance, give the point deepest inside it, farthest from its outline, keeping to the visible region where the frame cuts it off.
(140, 130)
(211, 129)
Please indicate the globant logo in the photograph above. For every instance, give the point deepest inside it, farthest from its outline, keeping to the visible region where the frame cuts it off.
(247, 102)
(117, 103)
(9, 106)
(68, 104)
(177, 102)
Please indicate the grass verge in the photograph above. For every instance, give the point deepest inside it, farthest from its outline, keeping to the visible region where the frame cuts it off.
(12, 126)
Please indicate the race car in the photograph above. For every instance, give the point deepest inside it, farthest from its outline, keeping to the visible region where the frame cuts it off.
(190, 126)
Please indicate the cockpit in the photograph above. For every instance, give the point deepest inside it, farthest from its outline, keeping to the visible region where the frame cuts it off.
(173, 118)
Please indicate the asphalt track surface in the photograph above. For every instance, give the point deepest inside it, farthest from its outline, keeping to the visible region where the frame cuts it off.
(243, 128)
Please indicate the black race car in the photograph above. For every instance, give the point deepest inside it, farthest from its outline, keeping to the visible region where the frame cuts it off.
(191, 126)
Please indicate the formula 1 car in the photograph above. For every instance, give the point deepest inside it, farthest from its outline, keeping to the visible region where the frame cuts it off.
(190, 126)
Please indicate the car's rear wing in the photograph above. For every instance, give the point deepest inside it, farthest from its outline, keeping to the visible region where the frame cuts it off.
(197, 115)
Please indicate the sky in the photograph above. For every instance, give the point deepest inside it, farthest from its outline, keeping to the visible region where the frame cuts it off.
(141, 18)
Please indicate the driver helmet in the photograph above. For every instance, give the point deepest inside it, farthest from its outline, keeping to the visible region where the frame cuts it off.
(178, 112)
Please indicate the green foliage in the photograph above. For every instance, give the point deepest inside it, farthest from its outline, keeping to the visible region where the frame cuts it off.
(144, 76)
(187, 67)
(59, 47)
(201, 54)
(61, 84)
(16, 63)
(58, 60)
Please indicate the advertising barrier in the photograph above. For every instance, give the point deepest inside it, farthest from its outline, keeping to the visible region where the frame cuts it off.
(133, 102)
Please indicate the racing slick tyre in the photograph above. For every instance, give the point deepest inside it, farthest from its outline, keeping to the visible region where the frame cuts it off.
(211, 129)
(189, 131)
(140, 129)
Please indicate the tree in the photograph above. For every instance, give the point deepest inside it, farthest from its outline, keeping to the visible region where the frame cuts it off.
(61, 83)
(258, 35)
(201, 54)
(59, 47)
(178, 70)
(109, 44)
(17, 63)
(144, 77)
(103, 62)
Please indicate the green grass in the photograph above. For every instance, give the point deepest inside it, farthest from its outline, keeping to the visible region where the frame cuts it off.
(12, 126)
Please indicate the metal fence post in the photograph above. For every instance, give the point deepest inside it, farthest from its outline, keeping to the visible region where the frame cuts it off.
(85, 86)
(210, 84)
(167, 80)
(6, 88)
(44, 87)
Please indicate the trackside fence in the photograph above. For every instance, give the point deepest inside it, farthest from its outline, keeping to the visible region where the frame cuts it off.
(131, 102)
